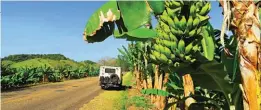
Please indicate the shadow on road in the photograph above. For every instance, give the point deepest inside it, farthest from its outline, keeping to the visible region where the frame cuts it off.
(122, 88)
(14, 89)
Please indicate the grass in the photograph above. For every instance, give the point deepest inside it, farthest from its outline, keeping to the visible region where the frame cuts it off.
(139, 102)
(134, 100)
(110, 99)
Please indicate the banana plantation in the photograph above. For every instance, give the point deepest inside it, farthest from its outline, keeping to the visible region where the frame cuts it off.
(183, 62)
(20, 77)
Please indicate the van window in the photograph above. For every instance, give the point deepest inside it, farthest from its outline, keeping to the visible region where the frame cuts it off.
(109, 70)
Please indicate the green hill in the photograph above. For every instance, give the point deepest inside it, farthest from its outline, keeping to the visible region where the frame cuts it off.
(24, 57)
(38, 62)
(7, 62)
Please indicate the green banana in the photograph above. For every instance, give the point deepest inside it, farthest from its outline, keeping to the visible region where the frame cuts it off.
(203, 19)
(157, 41)
(169, 62)
(161, 49)
(192, 33)
(188, 58)
(189, 23)
(163, 58)
(156, 54)
(199, 4)
(175, 4)
(174, 31)
(186, 32)
(177, 52)
(160, 34)
(181, 56)
(170, 22)
(164, 18)
(176, 22)
(156, 47)
(183, 23)
(181, 45)
(192, 10)
(193, 60)
(167, 3)
(180, 33)
(171, 12)
(188, 48)
(172, 56)
(163, 25)
(167, 43)
(153, 57)
(205, 9)
(196, 22)
(167, 52)
(195, 48)
(173, 37)
(165, 36)
(174, 46)
(167, 30)
(199, 30)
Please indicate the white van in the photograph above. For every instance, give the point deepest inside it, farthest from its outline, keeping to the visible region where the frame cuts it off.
(110, 77)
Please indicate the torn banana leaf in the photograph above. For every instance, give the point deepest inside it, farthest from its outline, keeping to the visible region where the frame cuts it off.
(127, 15)
(102, 23)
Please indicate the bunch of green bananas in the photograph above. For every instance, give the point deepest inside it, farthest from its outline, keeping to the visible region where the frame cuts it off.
(180, 30)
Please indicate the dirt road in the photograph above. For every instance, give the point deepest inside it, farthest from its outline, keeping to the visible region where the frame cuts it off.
(68, 95)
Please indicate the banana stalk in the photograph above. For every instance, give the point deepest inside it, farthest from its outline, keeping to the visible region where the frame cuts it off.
(247, 33)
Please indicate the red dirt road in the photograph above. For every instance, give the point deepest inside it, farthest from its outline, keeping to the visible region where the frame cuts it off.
(68, 95)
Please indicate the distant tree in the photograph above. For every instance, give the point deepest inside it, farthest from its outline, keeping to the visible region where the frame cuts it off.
(89, 62)
(107, 61)
(122, 62)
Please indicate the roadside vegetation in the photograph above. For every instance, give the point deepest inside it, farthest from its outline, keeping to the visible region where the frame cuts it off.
(23, 70)
(183, 62)
(111, 99)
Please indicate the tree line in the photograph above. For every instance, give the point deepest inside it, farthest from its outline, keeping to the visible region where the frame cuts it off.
(23, 57)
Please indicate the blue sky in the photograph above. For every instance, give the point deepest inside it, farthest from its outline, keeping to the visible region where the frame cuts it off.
(57, 27)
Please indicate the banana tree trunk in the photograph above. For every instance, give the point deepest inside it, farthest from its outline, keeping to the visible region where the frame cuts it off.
(156, 82)
(137, 75)
(45, 78)
(145, 74)
(246, 26)
(188, 89)
(163, 99)
(160, 80)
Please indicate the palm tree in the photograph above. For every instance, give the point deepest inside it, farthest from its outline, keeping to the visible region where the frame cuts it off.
(245, 25)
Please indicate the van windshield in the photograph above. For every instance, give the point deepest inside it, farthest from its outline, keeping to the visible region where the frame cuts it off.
(109, 70)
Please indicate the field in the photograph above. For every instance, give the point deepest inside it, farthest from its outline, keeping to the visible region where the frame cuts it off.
(16, 74)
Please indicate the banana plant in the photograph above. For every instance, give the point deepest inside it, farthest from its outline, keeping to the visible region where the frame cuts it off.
(6, 68)
(183, 23)
(56, 76)
(126, 53)
(34, 75)
(134, 55)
